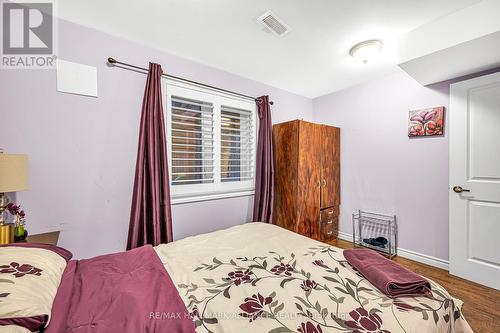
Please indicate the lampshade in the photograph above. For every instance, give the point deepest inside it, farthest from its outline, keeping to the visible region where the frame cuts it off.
(13, 172)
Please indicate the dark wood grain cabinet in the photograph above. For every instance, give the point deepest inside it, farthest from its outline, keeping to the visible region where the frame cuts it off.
(307, 192)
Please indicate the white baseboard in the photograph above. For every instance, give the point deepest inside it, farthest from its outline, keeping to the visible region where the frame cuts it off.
(412, 255)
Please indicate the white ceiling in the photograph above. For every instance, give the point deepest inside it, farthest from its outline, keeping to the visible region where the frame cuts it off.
(312, 60)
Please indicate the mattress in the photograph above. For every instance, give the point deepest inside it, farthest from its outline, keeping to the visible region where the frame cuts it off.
(259, 277)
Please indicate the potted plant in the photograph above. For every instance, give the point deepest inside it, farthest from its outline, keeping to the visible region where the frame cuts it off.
(20, 232)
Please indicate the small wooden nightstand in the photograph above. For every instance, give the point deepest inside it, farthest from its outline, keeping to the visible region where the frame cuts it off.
(45, 238)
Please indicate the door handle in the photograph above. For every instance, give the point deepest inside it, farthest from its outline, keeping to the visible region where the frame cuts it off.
(459, 189)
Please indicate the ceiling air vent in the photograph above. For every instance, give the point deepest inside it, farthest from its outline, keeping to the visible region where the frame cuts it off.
(273, 24)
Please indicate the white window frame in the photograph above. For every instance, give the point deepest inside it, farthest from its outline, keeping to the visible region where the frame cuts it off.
(217, 189)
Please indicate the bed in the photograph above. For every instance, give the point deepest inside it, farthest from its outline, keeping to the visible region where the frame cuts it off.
(254, 277)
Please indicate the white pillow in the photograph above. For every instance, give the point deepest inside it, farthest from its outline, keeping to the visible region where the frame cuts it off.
(29, 278)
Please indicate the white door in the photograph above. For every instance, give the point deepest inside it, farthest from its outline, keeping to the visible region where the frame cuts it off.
(475, 180)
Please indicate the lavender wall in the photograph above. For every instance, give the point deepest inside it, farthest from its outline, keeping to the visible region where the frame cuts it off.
(82, 150)
(382, 170)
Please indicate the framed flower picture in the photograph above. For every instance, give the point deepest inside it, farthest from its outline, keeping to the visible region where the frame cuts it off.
(426, 122)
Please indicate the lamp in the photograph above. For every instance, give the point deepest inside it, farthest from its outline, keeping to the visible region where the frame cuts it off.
(13, 178)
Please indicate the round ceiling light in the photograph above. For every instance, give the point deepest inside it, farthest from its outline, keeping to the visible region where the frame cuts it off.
(366, 50)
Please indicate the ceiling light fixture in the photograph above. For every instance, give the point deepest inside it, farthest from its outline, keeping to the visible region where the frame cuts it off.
(366, 50)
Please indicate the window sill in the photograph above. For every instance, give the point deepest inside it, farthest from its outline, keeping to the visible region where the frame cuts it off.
(178, 200)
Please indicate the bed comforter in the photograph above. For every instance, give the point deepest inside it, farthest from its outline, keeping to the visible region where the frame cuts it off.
(261, 278)
(128, 292)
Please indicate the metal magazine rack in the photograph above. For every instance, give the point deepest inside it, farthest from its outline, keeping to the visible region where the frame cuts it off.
(375, 231)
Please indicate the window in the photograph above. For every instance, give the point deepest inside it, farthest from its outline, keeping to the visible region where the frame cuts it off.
(211, 142)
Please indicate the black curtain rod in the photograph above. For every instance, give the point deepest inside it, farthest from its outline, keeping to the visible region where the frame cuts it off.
(113, 61)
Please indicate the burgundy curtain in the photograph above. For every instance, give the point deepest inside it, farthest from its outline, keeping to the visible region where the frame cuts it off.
(264, 178)
(150, 217)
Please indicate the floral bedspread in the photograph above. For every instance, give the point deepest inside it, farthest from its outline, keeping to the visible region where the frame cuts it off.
(261, 278)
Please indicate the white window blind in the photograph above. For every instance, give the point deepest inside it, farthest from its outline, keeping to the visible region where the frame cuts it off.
(192, 141)
(211, 142)
(237, 144)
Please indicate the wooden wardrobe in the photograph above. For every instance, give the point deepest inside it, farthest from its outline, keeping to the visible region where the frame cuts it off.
(307, 178)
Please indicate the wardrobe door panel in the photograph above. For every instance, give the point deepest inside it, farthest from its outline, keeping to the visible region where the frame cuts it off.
(309, 173)
(336, 166)
(286, 156)
(330, 166)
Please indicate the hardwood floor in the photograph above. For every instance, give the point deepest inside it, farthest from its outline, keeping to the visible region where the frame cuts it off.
(481, 304)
